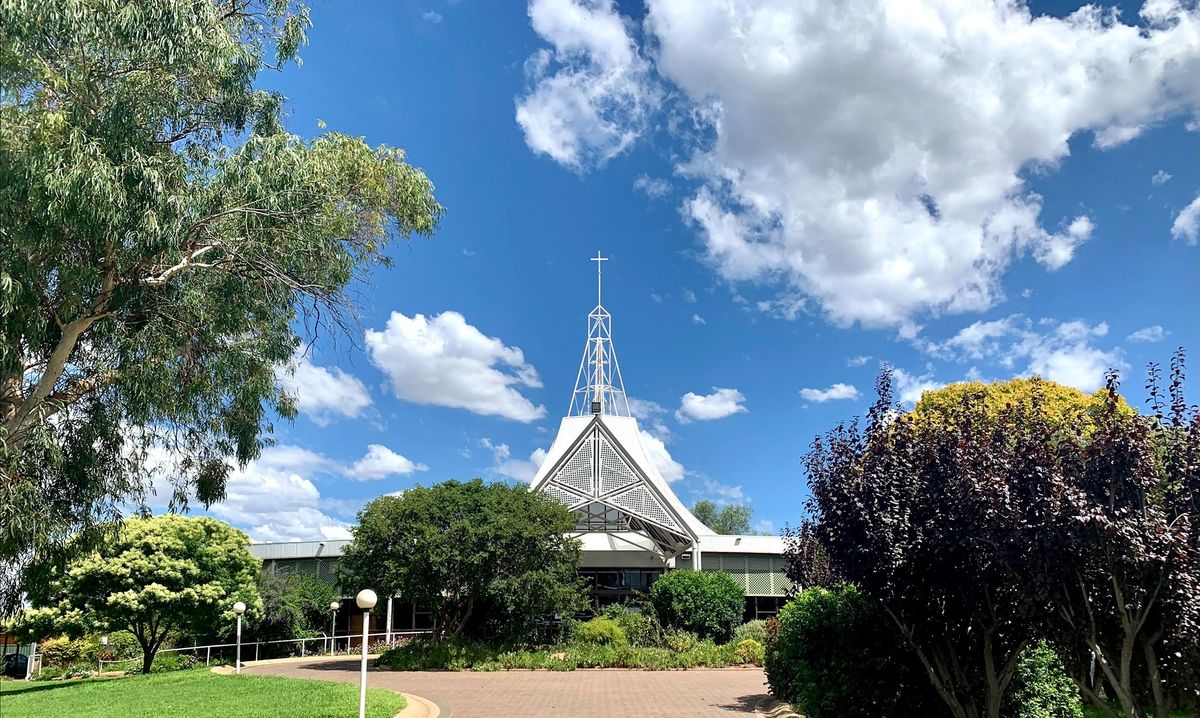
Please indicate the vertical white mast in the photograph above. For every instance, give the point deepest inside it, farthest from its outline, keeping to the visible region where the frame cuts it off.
(598, 386)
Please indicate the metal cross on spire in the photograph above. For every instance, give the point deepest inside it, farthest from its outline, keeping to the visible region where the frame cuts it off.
(599, 388)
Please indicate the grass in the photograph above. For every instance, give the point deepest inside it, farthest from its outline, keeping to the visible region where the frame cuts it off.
(192, 694)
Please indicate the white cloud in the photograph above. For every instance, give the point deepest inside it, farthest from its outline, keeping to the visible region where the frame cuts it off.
(652, 187)
(1160, 177)
(697, 319)
(432, 17)
(764, 526)
(834, 392)
(871, 156)
(381, 462)
(859, 360)
(1153, 333)
(272, 499)
(1187, 223)
(717, 405)
(445, 361)
(323, 392)
(656, 449)
(722, 494)
(657, 298)
(505, 465)
(650, 413)
(594, 103)
(689, 296)
(909, 387)
(1063, 352)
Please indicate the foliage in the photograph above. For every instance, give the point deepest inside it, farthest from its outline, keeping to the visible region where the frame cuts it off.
(750, 651)
(639, 621)
(1059, 406)
(490, 559)
(709, 604)
(60, 651)
(731, 519)
(805, 561)
(973, 531)
(680, 641)
(831, 654)
(295, 605)
(460, 655)
(156, 576)
(601, 631)
(1040, 688)
(164, 241)
(751, 631)
(190, 694)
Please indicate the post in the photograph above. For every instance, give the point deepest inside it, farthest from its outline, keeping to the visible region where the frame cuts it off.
(32, 657)
(388, 630)
(333, 609)
(366, 600)
(207, 654)
(696, 557)
(239, 608)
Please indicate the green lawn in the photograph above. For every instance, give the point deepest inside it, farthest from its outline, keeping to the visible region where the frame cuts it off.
(192, 694)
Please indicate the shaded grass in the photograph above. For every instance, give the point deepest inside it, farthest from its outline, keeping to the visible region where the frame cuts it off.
(192, 694)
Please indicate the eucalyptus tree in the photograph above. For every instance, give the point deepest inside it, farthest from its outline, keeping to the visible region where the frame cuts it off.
(164, 244)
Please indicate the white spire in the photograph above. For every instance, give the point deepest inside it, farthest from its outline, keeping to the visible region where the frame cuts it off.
(598, 386)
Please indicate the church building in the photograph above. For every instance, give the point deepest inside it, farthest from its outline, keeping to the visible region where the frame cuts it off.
(632, 525)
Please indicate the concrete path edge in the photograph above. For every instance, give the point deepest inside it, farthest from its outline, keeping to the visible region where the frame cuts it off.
(771, 708)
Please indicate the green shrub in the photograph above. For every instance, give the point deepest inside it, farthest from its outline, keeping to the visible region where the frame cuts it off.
(167, 662)
(751, 631)
(601, 631)
(639, 622)
(709, 604)
(680, 641)
(832, 655)
(750, 651)
(60, 652)
(121, 645)
(1041, 689)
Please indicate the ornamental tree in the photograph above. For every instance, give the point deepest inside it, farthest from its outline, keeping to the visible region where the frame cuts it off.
(155, 576)
(731, 519)
(164, 244)
(490, 559)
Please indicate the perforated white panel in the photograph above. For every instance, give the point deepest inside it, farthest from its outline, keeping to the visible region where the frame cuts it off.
(577, 472)
(567, 498)
(640, 501)
(614, 472)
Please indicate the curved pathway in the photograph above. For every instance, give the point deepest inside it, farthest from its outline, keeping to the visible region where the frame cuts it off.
(607, 693)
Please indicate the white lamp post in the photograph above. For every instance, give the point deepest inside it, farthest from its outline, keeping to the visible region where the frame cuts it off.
(103, 642)
(333, 608)
(366, 600)
(239, 608)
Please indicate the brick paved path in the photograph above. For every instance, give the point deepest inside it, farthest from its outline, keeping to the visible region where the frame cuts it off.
(547, 694)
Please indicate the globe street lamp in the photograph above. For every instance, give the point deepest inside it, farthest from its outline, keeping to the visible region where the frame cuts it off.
(366, 600)
(239, 608)
(333, 607)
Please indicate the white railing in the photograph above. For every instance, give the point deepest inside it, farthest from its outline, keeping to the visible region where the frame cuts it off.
(321, 646)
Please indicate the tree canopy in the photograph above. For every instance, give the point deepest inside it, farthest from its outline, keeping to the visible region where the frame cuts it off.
(156, 576)
(731, 519)
(993, 526)
(164, 245)
(490, 559)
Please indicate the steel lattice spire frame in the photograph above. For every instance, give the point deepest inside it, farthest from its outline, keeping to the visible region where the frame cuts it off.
(599, 388)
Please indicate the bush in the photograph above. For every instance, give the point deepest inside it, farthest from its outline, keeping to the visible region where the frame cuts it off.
(750, 651)
(709, 604)
(465, 655)
(60, 652)
(640, 624)
(831, 655)
(601, 631)
(1041, 689)
(680, 641)
(751, 631)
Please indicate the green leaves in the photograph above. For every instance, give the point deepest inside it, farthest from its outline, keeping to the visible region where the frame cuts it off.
(164, 244)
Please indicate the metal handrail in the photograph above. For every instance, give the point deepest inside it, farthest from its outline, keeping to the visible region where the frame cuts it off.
(331, 641)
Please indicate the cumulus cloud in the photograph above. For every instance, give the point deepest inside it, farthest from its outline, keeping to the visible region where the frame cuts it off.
(1064, 352)
(322, 393)
(433, 17)
(833, 393)
(909, 386)
(589, 96)
(1187, 223)
(1160, 177)
(444, 361)
(1153, 333)
(656, 449)
(869, 157)
(650, 413)
(652, 187)
(706, 407)
(859, 360)
(381, 462)
(722, 494)
(697, 319)
(505, 465)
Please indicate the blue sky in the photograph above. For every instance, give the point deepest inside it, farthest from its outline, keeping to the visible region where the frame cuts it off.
(790, 194)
